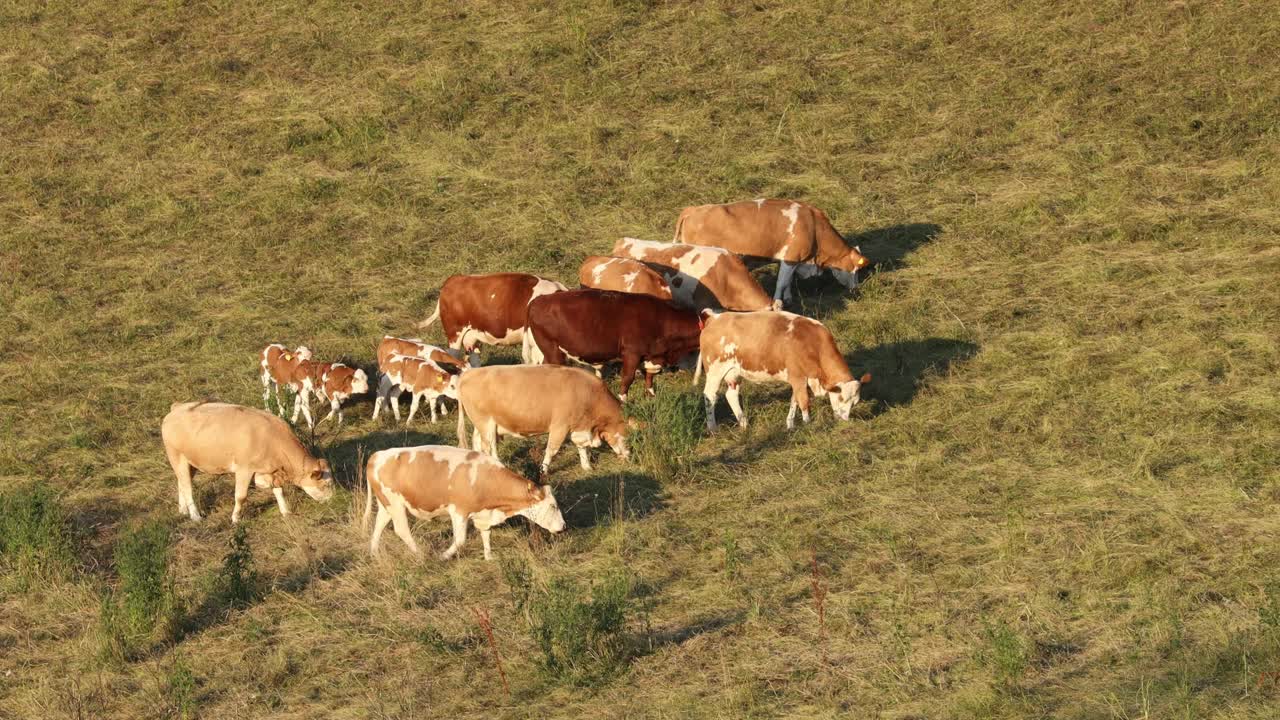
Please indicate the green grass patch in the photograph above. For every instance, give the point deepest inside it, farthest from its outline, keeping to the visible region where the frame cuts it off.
(36, 541)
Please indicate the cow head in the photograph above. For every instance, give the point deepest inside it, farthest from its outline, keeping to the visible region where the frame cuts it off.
(847, 394)
(451, 385)
(543, 509)
(846, 267)
(302, 352)
(359, 383)
(616, 435)
(316, 480)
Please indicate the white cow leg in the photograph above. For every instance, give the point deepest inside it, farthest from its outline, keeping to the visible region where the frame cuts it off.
(555, 439)
(710, 392)
(400, 520)
(284, 506)
(186, 495)
(484, 538)
(492, 439)
(379, 524)
(266, 392)
(791, 414)
(475, 356)
(459, 535)
(333, 410)
(395, 401)
(785, 272)
(584, 458)
(431, 403)
(413, 408)
(733, 395)
(243, 478)
(306, 407)
(477, 441)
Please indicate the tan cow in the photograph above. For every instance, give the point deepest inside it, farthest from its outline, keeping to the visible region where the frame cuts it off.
(217, 438)
(798, 235)
(279, 366)
(623, 275)
(390, 345)
(421, 378)
(333, 383)
(490, 309)
(522, 400)
(700, 277)
(433, 480)
(775, 347)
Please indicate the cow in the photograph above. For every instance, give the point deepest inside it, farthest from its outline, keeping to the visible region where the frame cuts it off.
(333, 383)
(433, 480)
(523, 400)
(391, 345)
(278, 366)
(778, 347)
(217, 438)
(700, 277)
(599, 326)
(624, 275)
(421, 378)
(488, 309)
(797, 235)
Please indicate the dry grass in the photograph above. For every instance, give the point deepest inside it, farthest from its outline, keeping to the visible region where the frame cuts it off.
(1061, 500)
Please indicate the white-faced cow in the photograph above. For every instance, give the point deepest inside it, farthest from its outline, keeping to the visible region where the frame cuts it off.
(700, 277)
(523, 400)
(256, 446)
(775, 347)
(490, 309)
(333, 383)
(432, 480)
(421, 378)
(278, 365)
(797, 235)
(390, 345)
(595, 327)
(623, 275)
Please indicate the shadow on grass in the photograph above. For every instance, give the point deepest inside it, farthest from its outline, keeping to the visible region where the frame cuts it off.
(898, 370)
(658, 639)
(593, 500)
(887, 247)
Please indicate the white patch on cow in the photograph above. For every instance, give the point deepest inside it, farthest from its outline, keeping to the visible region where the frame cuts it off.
(546, 287)
(485, 519)
(629, 280)
(698, 261)
(545, 513)
(493, 296)
(792, 214)
(759, 203)
(573, 357)
(761, 376)
(652, 367)
(585, 438)
(597, 274)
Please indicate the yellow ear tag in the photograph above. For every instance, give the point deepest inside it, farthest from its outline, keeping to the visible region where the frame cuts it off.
(287, 356)
(862, 261)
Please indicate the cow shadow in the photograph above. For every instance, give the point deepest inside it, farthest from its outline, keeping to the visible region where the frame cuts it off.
(606, 497)
(655, 640)
(347, 457)
(887, 247)
(900, 369)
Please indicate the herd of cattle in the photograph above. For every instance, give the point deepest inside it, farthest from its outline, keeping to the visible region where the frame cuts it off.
(692, 303)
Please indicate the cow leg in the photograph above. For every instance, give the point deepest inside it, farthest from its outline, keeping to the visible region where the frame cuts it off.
(630, 362)
(413, 408)
(791, 413)
(400, 521)
(379, 524)
(783, 290)
(333, 410)
(396, 392)
(735, 402)
(491, 438)
(555, 439)
(243, 478)
(711, 391)
(484, 538)
(431, 403)
(648, 382)
(284, 506)
(384, 389)
(459, 535)
(266, 390)
(474, 352)
(584, 459)
(186, 496)
(477, 441)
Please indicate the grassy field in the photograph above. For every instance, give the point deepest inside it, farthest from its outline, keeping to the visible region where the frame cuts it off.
(1059, 501)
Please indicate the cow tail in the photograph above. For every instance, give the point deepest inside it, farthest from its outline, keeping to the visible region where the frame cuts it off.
(368, 500)
(697, 369)
(462, 427)
(427, 323)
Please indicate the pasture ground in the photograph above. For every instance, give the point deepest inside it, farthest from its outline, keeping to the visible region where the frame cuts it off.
(1061, 500)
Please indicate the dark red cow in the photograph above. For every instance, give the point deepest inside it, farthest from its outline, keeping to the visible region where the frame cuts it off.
(600, 326)
(490, 309)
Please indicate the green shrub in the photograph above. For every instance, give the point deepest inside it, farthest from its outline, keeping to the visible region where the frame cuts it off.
(145, 599)
(583, 641)
(237, 582)
(1005, 653)
(672, 424)
(35, 539)
(180, 689)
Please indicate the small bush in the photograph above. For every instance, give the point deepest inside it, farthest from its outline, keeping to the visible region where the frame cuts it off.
(1005, 653)
(237, 583)
(180, 690)
(672, 422)
(145, 598)
(35, 539)
(583, 641)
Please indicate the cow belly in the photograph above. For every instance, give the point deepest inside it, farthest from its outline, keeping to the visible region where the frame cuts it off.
(470, 336)
(761, 376)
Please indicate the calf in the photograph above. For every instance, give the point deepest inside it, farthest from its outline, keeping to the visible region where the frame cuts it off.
(599, 326)
(488, 309)
(332, 382)
(700, 277)
(433, 480)
(388, 390)
(623, 275)
(779, 347)
(219, 438)
(420, 378)
(522, 400)
(798, 235)
(278, 366)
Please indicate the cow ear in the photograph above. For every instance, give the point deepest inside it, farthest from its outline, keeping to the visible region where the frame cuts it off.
(635, 424)
(866, 378)
(777, 304)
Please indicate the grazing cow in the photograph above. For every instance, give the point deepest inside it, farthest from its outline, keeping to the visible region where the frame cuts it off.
(624, 275)
(278, 367)
(390, 345)
(523, 400)
(599, 326)
(778, 347)
(433, 480)
(489, 309)
(332, 382)
(797, 235)
(219, 438)
(421, 378)
(700, 277)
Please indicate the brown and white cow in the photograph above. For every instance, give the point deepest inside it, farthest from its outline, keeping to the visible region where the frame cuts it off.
(622, 274)
(433, 480)
(798, 235)
(421, 378)
(700, 277)
(595, 327)
(523, 400)
(278, 365)
(333, 383)
(775, 347)
(490, 309)
(391, 345)
(217, 438)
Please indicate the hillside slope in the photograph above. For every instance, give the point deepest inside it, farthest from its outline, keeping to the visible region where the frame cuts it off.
(1061, 499)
